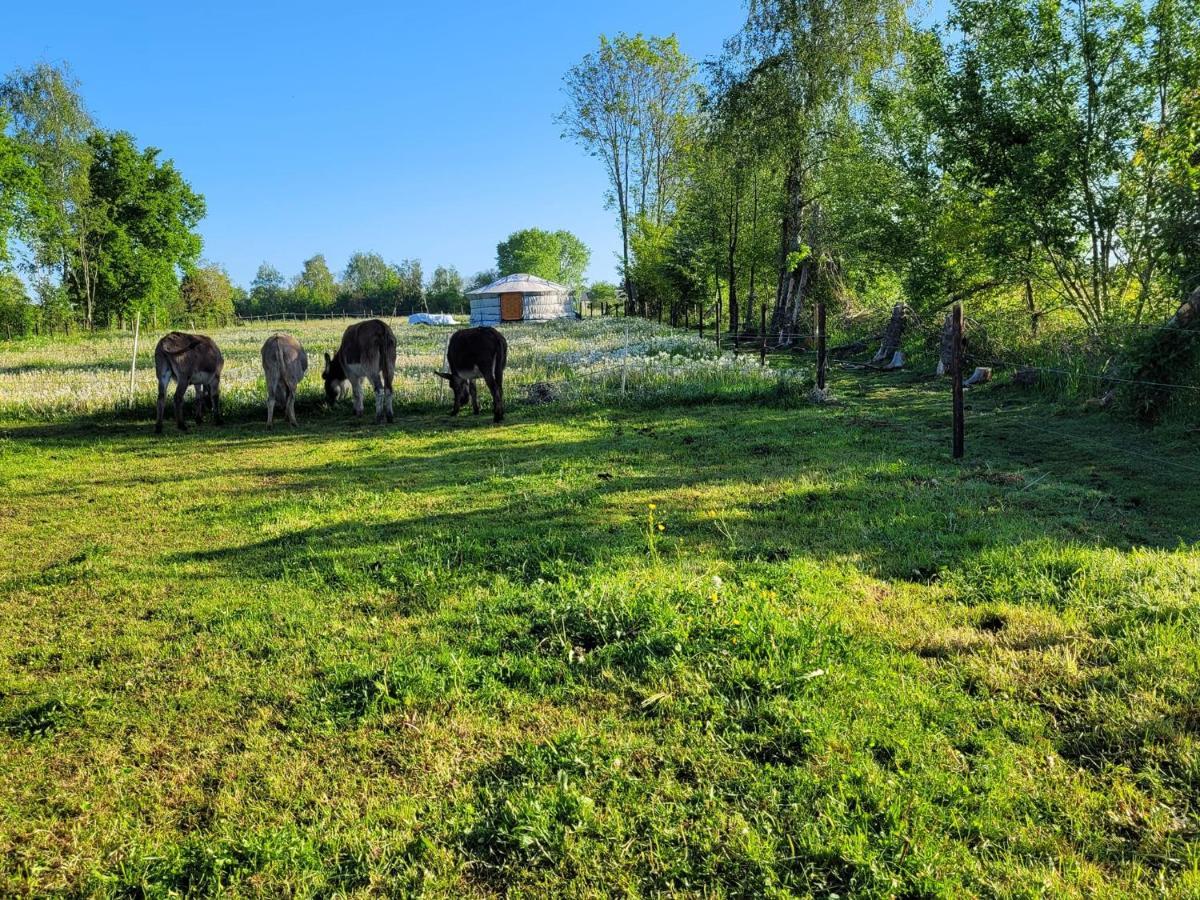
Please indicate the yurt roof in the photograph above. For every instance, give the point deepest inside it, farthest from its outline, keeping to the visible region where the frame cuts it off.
(520, 284)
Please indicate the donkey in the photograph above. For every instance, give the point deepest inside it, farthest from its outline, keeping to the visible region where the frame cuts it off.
(476, 353)
(284, 362)
(368, 350)
(188, 359)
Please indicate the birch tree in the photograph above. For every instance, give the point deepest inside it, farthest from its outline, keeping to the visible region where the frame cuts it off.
(629, 104)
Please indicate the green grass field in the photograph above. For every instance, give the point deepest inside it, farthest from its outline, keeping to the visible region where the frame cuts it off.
(699, 639)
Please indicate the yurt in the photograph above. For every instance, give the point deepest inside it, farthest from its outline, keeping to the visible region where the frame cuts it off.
(520, 298)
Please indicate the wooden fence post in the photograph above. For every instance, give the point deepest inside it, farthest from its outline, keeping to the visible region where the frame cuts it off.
(762, 333)
(717, 329)
(820, 345)
(137, 327)
(956, 378)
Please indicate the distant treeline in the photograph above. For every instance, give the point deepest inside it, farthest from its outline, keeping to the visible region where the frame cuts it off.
(367, 283)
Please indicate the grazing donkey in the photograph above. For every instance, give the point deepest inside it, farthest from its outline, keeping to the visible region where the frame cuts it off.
(284, 362)
(477, 353)
(188, 359)
(368, 350)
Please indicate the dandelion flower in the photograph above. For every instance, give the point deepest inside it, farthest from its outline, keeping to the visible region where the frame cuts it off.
(661, 528)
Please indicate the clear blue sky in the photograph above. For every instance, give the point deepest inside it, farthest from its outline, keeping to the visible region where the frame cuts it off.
(418, 130)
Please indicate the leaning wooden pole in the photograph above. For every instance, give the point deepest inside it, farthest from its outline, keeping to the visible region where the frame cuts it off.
(821, 355)
(137, 326)
(762, 334)
(956, 378)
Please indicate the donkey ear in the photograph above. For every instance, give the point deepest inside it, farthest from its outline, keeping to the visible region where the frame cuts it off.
(442, 375)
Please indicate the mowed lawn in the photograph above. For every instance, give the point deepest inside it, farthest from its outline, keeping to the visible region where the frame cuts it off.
(721, 648)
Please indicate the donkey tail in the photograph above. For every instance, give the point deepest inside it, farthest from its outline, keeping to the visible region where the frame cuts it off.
(284, 376)
(387, 360)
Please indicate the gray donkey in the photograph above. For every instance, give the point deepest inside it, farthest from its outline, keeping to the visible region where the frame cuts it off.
(284, 363)
(188, 360)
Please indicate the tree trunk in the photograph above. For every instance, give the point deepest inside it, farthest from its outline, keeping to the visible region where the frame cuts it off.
(793, 276)
(1031, 307)
(892, 335)
(946, 351)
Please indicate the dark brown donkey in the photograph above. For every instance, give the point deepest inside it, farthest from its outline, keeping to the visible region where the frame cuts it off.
(368, 350)
(188, 360)
(477, 353)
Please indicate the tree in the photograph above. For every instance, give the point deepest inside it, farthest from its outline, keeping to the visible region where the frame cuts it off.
(531, 251)
(16, 312)
(50, 129)
(266, 290)
(445, 291)
(573, 259)
(410, 284)
(206, 296)
(141, 234)
(370, 281)
(482, 279)
(630, 104)
(555, 255)
(314, 288)
(602, 295)
(1055, 111)
(14, 183)
(801, 68)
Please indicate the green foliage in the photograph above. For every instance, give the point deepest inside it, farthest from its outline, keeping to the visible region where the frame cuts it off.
(410, 284)
(49, 129)
(445, 291)
(141, 235)
(16, 312)
(314, 289)
(482, 279)
(14, 177)
(205, 297)
(601, 293)
(111, 226)
(369, 281)
(631, 104)
(555, 255)
(267, 293)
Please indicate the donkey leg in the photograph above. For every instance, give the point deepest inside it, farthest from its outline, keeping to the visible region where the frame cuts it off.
(474, 398)
(497, 398)
(162, 403)
(291, 407)
(198, 404)
(214, 397)
(357, 388)
(377, 390)
(387, 397)
(180, 391)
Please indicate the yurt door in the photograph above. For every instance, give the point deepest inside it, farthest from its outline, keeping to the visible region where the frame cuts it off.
(512, 307)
